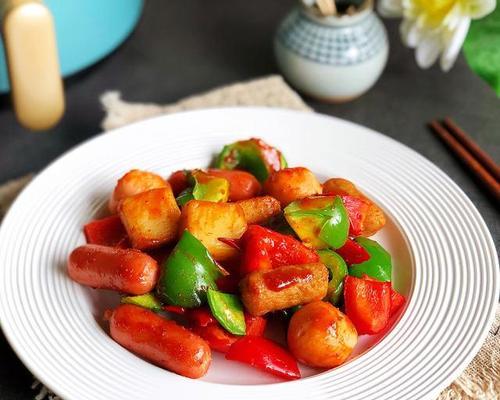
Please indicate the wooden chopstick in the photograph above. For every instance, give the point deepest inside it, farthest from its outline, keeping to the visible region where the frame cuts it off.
(473, 164)
(473, 147)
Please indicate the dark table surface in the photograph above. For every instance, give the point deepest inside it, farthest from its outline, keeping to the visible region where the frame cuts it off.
(181, 48)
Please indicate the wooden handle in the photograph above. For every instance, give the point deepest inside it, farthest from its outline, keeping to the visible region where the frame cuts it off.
(31, 53)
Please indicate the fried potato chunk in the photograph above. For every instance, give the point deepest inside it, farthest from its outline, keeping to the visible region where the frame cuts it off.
(259, 209)
(209, 221)
(151, 218)
(292, 184)
(132, 183)
(375, 217)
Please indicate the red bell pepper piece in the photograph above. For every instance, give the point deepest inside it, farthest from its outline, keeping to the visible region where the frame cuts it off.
(255, 325)
(265, 249)
(107, 231)
(216, 336)
(353, 253)
(357, 209)
(397, 301)
(175, 309)
(266, 355)
(204, 324)
(178, 181)
(228, 283)
(200, 317)
(367, 304)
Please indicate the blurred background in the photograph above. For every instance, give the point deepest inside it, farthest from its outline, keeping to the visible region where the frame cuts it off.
(183, 47)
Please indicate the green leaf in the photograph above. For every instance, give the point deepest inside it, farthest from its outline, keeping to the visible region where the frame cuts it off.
(482, 48)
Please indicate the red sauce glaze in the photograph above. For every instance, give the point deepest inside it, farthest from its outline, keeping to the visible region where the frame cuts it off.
(281, 278)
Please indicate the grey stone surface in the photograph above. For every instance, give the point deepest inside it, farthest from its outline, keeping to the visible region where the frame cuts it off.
(183, 47)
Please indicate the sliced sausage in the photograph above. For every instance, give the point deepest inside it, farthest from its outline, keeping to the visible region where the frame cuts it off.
(103, 267)
(242, 184)
(160, 340)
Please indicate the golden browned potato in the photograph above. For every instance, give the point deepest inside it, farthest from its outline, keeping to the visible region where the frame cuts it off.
(132, 183)
(321, 336)
(209, 221)
(375, 217)
(259, 209)
(151, 218)
(283, 287)
(292, 184)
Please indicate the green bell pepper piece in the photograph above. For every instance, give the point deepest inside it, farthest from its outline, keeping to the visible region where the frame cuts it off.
(338, 271)
(204, 187)
(210, 188)
(228, 310)
(319, 222)
(253, 155)
(147, 300)
(184, 196)
(378, 266)
(187, 274)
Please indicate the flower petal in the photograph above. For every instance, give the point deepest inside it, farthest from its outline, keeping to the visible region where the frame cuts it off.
(428, 50)
(454, 41)
(411, 33)
(390, 8)
(479, 8)
(453, 17)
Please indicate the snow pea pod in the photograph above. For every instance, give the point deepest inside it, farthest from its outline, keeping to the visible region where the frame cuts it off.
(228, 310)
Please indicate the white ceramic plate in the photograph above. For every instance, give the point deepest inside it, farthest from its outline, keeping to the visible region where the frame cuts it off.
(445, 263)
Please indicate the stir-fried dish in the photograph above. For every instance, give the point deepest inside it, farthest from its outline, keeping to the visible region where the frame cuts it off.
(205, 259)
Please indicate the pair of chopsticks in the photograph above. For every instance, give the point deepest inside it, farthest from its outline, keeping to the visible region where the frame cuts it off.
(468, 151)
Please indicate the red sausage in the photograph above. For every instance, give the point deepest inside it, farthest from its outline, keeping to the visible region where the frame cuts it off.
(242, 185)
(103, 267)
(160, 341)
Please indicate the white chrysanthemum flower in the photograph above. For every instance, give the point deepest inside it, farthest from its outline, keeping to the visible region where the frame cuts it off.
(435, 28)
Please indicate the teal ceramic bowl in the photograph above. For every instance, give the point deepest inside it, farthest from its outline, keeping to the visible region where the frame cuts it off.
(86, 30)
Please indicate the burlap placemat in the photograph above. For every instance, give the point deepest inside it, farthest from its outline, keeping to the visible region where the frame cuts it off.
(481, 378)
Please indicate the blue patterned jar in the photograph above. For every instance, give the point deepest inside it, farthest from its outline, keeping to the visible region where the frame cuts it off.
(332, 58)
